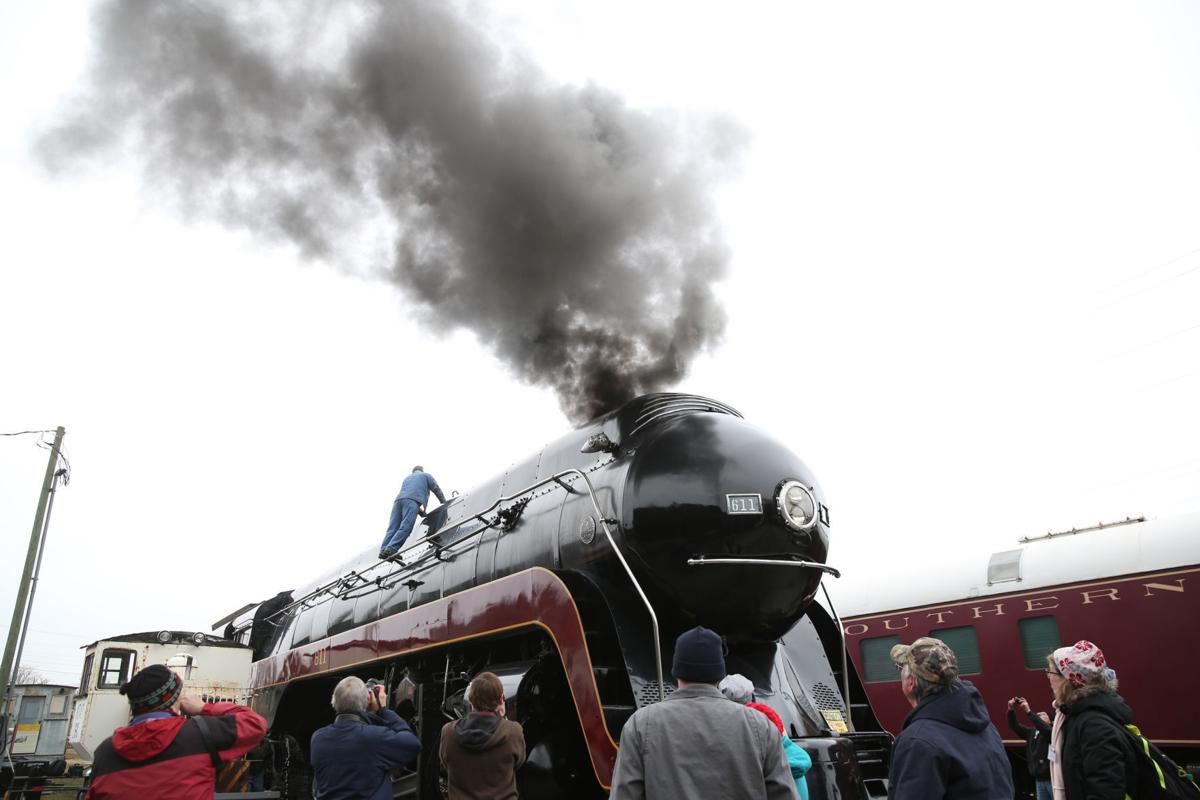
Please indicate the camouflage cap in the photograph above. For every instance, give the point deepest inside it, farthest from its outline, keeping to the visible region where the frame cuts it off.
(930, 658)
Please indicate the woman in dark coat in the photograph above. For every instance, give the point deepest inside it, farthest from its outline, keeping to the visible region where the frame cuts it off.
(1091, 756)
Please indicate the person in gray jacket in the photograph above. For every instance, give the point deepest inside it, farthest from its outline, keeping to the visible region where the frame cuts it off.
(698, 744)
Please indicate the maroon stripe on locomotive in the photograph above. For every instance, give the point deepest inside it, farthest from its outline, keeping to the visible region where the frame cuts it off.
(535, 598)
(1145, 623)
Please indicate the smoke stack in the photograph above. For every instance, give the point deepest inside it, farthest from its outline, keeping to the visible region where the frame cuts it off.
(573, 235)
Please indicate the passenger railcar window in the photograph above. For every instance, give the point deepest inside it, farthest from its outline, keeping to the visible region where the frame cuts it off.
(1039, 638)
(965, 645)
(877, 659)
(116, 667)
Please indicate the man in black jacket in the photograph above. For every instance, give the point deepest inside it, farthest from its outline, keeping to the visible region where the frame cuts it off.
(1037, 744)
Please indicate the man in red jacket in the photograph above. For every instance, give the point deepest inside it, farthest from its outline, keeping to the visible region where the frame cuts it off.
(174, 743)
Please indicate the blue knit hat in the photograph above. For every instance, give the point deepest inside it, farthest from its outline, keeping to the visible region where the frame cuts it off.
(699, 656)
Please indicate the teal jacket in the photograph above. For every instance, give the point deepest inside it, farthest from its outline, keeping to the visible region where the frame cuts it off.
(800, 763)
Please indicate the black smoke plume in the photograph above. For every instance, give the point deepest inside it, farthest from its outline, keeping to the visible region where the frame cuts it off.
(573, 235)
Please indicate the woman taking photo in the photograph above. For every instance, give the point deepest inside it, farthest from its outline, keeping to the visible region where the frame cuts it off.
(1090, 752)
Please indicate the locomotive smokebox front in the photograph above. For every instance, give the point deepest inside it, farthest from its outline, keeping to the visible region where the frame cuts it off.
(713, 487)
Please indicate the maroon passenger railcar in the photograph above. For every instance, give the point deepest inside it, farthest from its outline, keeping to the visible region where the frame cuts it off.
(570, 577)
(1132, 587)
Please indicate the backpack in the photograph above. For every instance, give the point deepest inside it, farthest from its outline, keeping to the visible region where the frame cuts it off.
(1157, 775)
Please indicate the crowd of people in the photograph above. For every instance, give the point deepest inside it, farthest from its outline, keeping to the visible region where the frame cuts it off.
(175, 743)
(709, 738)
(948, 749)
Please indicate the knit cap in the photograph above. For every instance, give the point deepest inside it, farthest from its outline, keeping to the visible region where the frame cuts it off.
(699, 656)
(155, 688)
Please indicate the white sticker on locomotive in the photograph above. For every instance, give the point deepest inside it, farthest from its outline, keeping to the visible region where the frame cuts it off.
(743, 503)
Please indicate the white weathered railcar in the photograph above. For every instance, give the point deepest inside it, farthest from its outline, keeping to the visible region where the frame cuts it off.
(213, 668)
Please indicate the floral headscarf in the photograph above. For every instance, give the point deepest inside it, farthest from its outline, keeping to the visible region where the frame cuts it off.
(1082, 663)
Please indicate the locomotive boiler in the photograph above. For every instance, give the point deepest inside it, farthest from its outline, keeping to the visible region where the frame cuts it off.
(570, 576)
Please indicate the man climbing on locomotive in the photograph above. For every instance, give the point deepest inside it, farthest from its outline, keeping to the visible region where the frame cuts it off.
(414, 495)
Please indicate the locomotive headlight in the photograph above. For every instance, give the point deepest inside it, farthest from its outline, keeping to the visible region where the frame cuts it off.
(796, 505)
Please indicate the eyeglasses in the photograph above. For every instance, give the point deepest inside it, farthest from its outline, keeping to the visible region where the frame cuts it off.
(1050, 671)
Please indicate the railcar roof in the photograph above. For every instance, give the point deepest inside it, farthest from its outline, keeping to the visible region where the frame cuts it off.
(178, 637)
(1124, 549)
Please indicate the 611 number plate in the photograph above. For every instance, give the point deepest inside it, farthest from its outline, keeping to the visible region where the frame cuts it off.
(743, 503)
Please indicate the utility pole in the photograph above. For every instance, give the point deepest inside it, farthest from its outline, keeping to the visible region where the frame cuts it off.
(35, 540)
(37, 570)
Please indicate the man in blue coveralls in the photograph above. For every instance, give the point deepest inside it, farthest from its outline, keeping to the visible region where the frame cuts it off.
(414, 494)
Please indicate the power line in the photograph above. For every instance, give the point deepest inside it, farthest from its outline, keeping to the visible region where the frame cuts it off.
(61, 666)
(1155, 268)
(34, 668)
(1173, 380)
(1159, 340)
(68, 634)
(48, 444)
(1151, 287)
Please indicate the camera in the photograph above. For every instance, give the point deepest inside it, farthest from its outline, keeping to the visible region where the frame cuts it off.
(1018, 700)
(375, 687)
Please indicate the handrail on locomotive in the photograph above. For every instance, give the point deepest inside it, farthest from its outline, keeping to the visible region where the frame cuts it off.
(353, 580)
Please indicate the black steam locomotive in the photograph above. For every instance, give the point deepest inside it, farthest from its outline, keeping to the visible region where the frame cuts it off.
(570, 576)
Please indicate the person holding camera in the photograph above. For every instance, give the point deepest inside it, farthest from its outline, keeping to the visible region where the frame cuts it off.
(173, 745)
(352, 759)
(1037, 744)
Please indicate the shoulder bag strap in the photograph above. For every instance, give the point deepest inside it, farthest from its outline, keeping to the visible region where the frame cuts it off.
(203, 724)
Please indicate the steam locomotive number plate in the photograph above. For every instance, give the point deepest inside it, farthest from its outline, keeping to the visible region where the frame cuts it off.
(743, 503)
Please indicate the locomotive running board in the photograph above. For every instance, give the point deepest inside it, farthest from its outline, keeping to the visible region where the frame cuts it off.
(703, 561)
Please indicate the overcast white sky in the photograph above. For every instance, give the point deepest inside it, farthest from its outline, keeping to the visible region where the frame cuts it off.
(964, 290)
